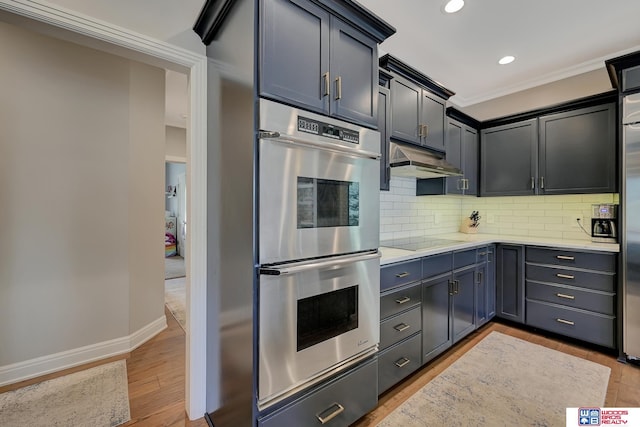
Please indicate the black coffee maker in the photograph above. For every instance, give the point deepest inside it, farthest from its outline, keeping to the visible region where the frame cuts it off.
(604, 223)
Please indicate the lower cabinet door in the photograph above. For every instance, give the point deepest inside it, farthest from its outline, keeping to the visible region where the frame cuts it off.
(463, 303)
(581, 324)
(340, 402)
(397, 362)
(436, 326)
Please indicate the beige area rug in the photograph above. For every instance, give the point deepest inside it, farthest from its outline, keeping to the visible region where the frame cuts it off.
(175, 298)
(174, 267)
(96, 397)
(505, 381)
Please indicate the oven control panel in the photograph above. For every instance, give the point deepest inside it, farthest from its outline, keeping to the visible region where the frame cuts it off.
(319, 128)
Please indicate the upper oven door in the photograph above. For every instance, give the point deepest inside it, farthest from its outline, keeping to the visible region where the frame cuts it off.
(318, 196)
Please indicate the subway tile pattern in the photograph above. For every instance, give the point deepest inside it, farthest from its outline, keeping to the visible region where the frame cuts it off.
(403, 214)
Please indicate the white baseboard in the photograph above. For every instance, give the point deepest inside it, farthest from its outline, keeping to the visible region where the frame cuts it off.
(16, 372)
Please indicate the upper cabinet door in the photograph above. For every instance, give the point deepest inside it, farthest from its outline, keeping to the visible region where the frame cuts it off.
(384, 117)
(294, 53)
(405, 110)
(432, 122)
(470, 160)
(577, 151)
(509, 159)
(455, 184)
(354, 74)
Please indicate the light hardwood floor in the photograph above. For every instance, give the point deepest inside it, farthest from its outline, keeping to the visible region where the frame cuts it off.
(156, 376)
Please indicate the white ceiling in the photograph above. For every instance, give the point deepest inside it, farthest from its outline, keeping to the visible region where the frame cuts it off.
(551, 40)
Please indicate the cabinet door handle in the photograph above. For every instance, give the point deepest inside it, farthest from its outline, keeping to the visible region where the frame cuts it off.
(458, 184)
(420, 131)
(330, 413)
(451, 287)
(325, 82)
(338, 88)
(402, 362)
(566, 322)
(401, 327)
(479, 277)
(426, 131)
(466, 184)
(565, 296)
(565, 276)
(403, 300)
(533, 183)
(457, 284)
(565, 257)
(542, 182)
(403, 274)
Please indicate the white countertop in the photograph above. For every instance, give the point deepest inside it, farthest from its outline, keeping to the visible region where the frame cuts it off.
(464, 241)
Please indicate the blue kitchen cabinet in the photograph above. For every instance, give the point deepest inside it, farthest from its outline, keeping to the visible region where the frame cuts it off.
(310, 58)
(462, 151)
(463, 302)
(510, 282)
(436, 316)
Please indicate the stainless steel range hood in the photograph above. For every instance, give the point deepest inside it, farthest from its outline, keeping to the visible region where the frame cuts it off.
(419, 163)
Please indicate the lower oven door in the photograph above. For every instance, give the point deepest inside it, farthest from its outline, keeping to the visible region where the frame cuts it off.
(315, 318)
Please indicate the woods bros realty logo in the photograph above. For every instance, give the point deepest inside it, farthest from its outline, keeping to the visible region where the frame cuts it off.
(605, 416)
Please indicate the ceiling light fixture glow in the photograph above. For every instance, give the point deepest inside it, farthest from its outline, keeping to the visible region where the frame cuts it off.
(506, 60)
(453, 6)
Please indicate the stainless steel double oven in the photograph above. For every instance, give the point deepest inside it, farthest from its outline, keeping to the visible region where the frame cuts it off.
(318, 237)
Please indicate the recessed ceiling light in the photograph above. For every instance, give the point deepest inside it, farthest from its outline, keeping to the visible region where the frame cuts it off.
(453, 6)
(506, 60)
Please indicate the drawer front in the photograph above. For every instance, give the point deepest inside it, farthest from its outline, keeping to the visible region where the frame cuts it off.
(592, 327)
(600, 302)
(399, 327)
(436, 265)
(356, 393)
(482, 255)
(584, 279)
(397, 362)
(464, 258)
(393, 275)
(588, 260)
(393, 302)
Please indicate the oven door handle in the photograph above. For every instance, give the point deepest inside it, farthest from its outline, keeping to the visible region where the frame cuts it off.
(323, 145)
(317, 264)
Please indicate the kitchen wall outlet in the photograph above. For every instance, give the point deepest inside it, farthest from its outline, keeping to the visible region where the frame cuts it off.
(491, 218)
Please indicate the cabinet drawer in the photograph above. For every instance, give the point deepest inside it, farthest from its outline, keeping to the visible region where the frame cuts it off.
(356, 392)
(588, 260)
(482, 255)
(393, 275)
(393, 302)
(580, 278)
(397, 362)
(436, 264)
(600, 302)
(399, 327)
(587, 326)
(464, 258)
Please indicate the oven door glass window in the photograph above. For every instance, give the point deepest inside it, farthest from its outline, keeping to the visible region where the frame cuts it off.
(322, 317)
(327, 203)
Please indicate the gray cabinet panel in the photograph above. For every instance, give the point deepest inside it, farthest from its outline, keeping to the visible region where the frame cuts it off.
(470, 160)
(454, 155)
(464, 258)
(398, 300)
(482, 295)
(510, 282)
(397, 362)
(491, 281)
(436, 326)
(601, 302)
(291, 68)
(463, 303)
(575, 259)
(437, 264)
(433, 119)
(595, 280)
(462, 151)
(393, 275)
(397, 328)
(405, 110)
(577, 151)
(384, 121)
(509, 159)
(584, 325)
(354, 73)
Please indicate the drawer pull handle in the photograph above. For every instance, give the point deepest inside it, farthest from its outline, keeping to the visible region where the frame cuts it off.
(330, 413)
(402, 362)
(565, 257)
(565, 296)
(401, 275)
(482, 253)
(401, 327)
(565, 276)
(566, 322)
(403, 300)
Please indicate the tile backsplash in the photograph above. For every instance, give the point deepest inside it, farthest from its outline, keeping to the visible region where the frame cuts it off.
(403, 214)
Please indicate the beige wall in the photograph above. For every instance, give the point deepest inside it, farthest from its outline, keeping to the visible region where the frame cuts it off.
(176, 144)
(79, 197)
